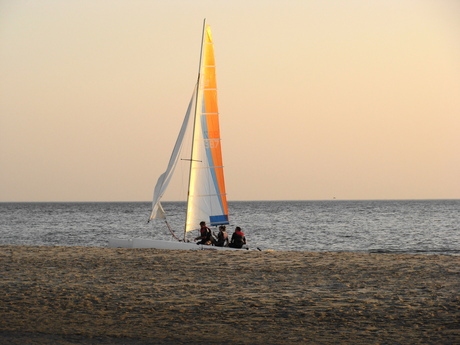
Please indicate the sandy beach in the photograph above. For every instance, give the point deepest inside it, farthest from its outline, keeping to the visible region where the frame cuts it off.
(83, 295)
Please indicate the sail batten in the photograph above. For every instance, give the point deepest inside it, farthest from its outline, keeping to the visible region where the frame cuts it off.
(210, 167)
(207, 195)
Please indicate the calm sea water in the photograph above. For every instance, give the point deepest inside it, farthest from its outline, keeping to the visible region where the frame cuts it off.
(402, 226)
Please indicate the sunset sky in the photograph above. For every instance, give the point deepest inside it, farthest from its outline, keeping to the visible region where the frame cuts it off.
(318, 99)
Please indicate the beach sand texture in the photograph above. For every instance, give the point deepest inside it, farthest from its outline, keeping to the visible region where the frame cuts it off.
(85, 295)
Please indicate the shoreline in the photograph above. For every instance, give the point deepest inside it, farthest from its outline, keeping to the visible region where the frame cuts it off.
(98, 295)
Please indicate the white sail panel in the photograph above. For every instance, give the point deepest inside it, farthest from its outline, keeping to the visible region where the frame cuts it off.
(163, 180)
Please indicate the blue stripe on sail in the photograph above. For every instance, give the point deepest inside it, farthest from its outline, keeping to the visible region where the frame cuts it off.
(204, 128)
(219, 220)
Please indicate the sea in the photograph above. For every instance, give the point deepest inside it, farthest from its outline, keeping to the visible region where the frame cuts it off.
(368, 226)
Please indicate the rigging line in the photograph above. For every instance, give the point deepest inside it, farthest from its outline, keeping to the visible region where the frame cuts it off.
(172, 232)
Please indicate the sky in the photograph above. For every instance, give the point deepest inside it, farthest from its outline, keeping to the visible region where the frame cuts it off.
(318, 99)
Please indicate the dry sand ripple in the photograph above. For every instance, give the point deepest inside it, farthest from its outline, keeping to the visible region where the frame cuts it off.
(76, 295)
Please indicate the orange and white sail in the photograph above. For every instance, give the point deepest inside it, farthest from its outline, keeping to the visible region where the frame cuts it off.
(207, 199)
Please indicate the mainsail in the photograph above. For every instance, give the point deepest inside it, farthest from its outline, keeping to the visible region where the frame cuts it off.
(206, 200)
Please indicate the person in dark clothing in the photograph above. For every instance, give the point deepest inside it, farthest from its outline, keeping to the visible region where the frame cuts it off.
(205, 235)
(222, 237)
(238, 238)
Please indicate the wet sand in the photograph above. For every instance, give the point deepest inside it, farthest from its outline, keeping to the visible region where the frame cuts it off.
(81, 295)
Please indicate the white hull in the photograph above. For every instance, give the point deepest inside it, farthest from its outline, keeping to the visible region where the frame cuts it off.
(158, 244)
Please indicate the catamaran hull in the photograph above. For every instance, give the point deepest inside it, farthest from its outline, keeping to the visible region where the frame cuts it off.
(158, 244)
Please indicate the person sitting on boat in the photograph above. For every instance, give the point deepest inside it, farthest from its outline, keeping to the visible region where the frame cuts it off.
(238, 238)
(205, 235)
(222, 237)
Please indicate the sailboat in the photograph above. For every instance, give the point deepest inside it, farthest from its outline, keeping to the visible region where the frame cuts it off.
(207, 199)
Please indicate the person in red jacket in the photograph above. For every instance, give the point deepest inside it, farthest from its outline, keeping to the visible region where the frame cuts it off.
(238, 238)
(205, 235)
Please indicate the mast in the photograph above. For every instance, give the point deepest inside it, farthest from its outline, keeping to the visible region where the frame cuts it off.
(194, 124)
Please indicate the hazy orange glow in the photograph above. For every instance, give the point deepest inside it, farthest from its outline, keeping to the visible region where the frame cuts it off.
(318, 99)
